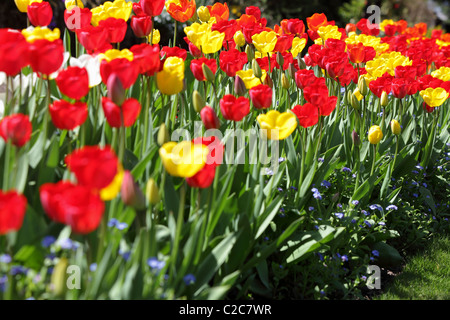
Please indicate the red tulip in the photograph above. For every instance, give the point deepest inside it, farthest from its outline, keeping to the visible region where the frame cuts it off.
(261, 96)
(68, 116)
(14, 52)
(233, 108)
(74, 205)
(327, 108)
(73, 82)
(350, 27)
(173, 52)
(197, 67)
(16, 128)
(126, 70)
(129, 110)
(381, 84)
(316, 21)
(219, 11)
(130, 193)
(304, 78)
(77, 18)
(253, 11)
(147, 57)
(390, 30)
(46, 56)
(194, 51)
(152, 8)
(94, 167)
(317, 92)
(115, 28)
(228, 27)
(12, 211)
(356, 52)
(295, 26)
(284, 42)
(141, 25)
(93, 39)
(406, 72)
(40, 13)
(400, 87)
(209, 118)
(232, 61)
(308, 114)
(205, 177)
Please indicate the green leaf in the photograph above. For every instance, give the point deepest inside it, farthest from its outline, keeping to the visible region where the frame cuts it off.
(388, 255)
(30, 256)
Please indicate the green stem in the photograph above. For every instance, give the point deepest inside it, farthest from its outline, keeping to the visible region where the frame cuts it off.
(395, 156)
(374, 159)
(6, 169)
(122, 138)
(175, 34)
(179, 227)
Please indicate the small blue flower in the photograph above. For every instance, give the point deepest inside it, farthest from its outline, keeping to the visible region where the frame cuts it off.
(419, 167)
(321, 159)
(5, 258)
(15, 270)
(391, 207)
(368, 223)
(375, 207)
(93, 267)
(294, 188)
(365, 212)
(280, 189)
(345, 169)
(311, 208)
(112, 222)
(155, 264)
(375, 253)
(66, 244)
(339, 205)
(125, 255)
(415, 195)
(47, 241)
(355, 202)
(381, 223)
(121, 225)
(266, 238)
(344, 258)
(325, 184)
(314, 190)
(339, 215)
(3, 281)
(425, 185)
(189, 279)
(281, 159)
(415, 171)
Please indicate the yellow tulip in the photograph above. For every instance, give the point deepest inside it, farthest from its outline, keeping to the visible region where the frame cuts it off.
(213, 42)
(156, 36)
(239, 38)
(113, 189)
(32, 34)
(375, 134)
(358, 94)
(329, 32)
(395, 127)
(171, 79)
(22, 5)
(276, 125)
(434, 97)
(183, 159)
(203, 38)
(203, 14)
(73, 3)
(443, 73)
(250, 80)
(118, 9)
(298, 44)
(112, 54)
(265, 41)
(152, 192)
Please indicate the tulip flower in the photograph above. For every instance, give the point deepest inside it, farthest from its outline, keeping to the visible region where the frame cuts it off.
(22, 5)
(46, 57)
(375, 134)
(129, 110)
(93, 166)
(233, 108)
(130, 192)
(147, 57)
(261, 96)
(74, 3)
(308, 114)
(14, 52)
(115, 29)
(171, 79)
(12, 211)
(228, 27)
(152, 8)
(209, 118)
(232, 61)
(220, 11)
(203, 14)
(400, 87)
(16, 128)
(126, 70)
(204, 38)
(265, 41)
(73, 82)
(77, 18)
(93, 38)
(239, 38)
(141, 25)
(118, 9)
(75, 205)
(395, 127)
(197, 67)
(68, 116)
(183, 159)
(40, 13)
(181, 10)
(443, 73)
(434, 97)
(92, 66)
(250, 79)
(276, 125)
(152, 192)
(173, 52)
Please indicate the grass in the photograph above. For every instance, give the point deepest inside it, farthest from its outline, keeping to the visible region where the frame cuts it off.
(426, 275)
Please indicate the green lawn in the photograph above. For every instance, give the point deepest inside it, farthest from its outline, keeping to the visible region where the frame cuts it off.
(426, 275)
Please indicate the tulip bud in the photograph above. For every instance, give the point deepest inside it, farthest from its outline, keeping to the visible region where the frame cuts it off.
(291, 70)
(395, 127)
(209, 76)
(209, 118)
(384, 99)
(116, 91)
(354, 101)
(239, 86)
(280, 59)
(335, 197)
(198, 101)
(284, 81)
(152, 192)
(239, 38)
(163, 134)
(375, 134)
(268, 81)
(356, 139)
(203, 14)
(130, 192)
(301, 63)
(362, 86)
(58, 279)
(250, 53)
(256, 69)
